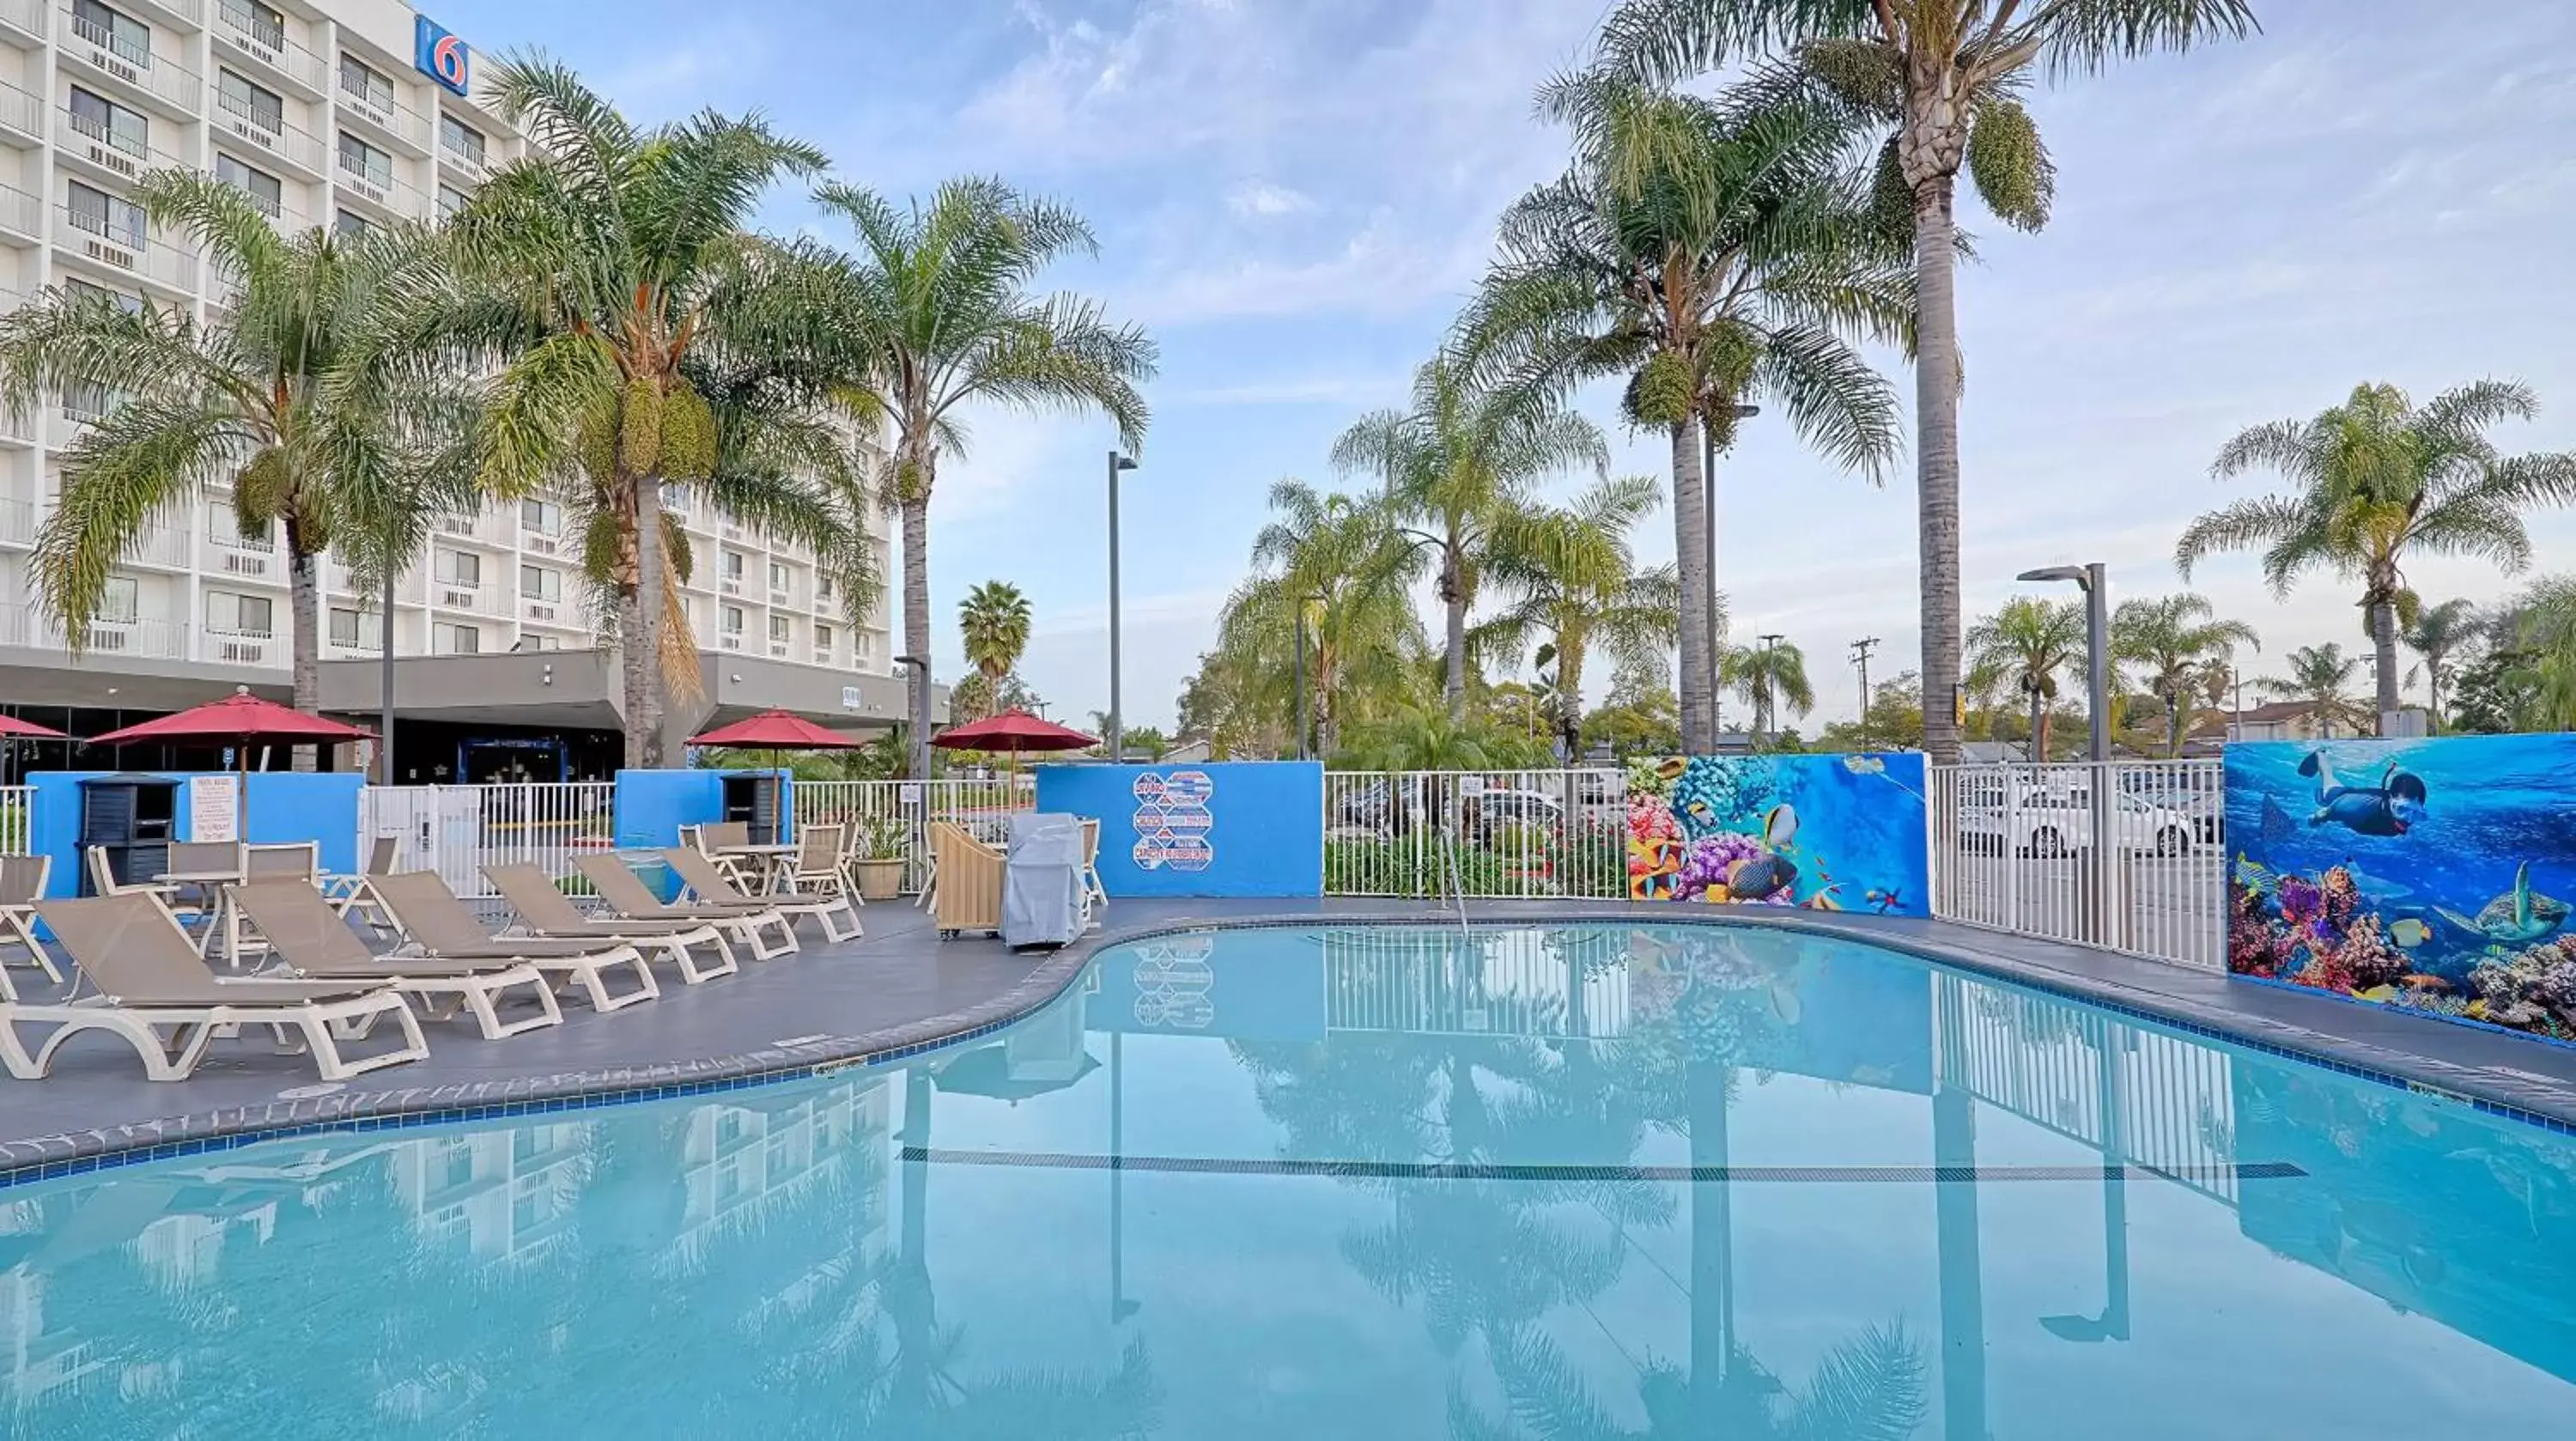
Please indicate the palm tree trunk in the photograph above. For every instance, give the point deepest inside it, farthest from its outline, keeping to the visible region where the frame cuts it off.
(916, 621)
(639, 629)
(304, 616)
(1936, 410)
(2038, 728)
(1453, 596)
(1690, 552)
(1569, 702)
(2383, 639)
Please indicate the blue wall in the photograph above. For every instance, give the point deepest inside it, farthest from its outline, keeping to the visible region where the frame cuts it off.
(1236, 829)
(653, 805)
(283, 806)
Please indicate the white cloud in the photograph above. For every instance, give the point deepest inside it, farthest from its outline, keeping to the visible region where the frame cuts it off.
(1261, 198)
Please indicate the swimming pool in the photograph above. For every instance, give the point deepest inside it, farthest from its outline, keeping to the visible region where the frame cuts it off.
(1544, 1182)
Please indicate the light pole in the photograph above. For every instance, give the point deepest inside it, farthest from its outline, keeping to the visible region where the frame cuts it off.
(385, 680)
(919, 763)
(1117, 735)
(1301, 677)
(2094, 580)
(1716, 638)
(1860, 656)
(1762, 690)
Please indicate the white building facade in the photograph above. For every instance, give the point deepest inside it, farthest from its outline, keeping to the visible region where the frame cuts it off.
(333, 113)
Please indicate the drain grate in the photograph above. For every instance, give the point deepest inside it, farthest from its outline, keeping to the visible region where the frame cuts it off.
(1458, 1171)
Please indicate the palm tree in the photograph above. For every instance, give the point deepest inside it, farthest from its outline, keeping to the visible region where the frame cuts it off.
(1763, 676)
(2437, 634)
(942, 297)
(1941, 81)
(1455, 464)
(2320, 677)
(641, 341)
(994, 620)
(2376, 480)
(1706, 256)
(1332, 564)
(2181, 643)
(2534, 643)
(1570, 575)
(239, 410)
(2025, 647)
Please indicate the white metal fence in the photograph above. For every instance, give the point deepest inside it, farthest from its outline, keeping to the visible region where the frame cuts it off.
(2025, 848)
(892, 819)
(1500, 834)
(17, 820)
(458, 830)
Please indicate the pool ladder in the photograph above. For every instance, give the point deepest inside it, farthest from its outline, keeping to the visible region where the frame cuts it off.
(1457, 878)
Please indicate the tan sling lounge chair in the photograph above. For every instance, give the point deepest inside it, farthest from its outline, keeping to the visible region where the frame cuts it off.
(148, 978)
(22, 884)
(440, 926)
(316, 942)
(549, 913)
(970, 881)
(711, 888)
(625, 893)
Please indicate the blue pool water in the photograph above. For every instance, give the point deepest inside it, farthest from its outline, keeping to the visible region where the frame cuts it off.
(1555, 1182)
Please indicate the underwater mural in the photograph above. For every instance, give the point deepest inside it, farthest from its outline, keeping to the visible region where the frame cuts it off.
(2423, 875)
(1830, 833)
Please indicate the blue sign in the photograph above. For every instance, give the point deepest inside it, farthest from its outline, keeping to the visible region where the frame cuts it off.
(440, 56)
(1240, 829)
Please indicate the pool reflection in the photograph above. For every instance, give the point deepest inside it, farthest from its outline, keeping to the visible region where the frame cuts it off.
(939, 1250)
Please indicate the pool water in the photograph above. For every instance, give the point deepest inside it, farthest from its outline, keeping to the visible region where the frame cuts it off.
(1597, 1181)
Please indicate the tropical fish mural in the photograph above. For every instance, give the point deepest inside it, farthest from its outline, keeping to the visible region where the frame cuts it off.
(2422, 875)
(1827, 833)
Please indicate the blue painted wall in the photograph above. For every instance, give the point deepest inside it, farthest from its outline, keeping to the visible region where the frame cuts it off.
(282, 806)
(1236, 829)
(653, 805)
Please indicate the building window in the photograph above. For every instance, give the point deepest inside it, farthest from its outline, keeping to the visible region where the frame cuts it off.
(366, 162)
(259, 22)
(104, 120)
(459, 138)
(256, 104)
(778, 575)
(538, 583)
(121, 601)
(109, 217)
(823, 587)
(359, 81)
(544, 642)
(450, 200)
(541, 517)
(779, 629)
(355, 629)
(344, 224)
(732, 620)
(823, 639)
(460, 568)
(230, 614)
(83, 291)
(113, 31)
(262, 188)
(447, 638)
(733, 565)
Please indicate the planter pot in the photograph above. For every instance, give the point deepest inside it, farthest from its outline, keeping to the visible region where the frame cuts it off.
(879, 880)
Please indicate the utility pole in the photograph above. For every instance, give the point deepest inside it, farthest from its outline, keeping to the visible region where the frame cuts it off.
(1860, 650)
(1762, 690)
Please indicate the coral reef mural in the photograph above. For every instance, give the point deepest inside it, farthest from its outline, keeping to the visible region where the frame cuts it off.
(1830, 833)
(2423, 875)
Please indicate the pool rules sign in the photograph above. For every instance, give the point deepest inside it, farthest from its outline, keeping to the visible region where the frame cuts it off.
(1172, 820)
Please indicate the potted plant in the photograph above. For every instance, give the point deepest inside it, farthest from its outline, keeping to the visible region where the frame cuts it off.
(884, 854)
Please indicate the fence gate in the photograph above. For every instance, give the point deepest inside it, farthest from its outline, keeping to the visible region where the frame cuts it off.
(458, 830)
(892, 819)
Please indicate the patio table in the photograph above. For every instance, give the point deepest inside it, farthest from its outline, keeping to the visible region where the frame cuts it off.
(222, 915)
(767, 860)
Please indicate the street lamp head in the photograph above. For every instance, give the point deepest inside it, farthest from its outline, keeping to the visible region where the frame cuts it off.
(1120, 462)
(914, 661)
(2074, 573)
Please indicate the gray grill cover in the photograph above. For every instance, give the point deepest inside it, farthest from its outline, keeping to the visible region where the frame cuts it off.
(1042, 881)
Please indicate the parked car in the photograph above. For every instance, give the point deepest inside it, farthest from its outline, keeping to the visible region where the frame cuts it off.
(1485, 815)
(2045, 820)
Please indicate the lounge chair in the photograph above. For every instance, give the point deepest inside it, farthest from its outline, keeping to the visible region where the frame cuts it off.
(970, 881)
(716, 837)
(625, 893)
(316, 943)
(826, 903)
(1096, 894)
(546, 912)
(438, 924)
(22, 884)
(103, 881)
(148, 977)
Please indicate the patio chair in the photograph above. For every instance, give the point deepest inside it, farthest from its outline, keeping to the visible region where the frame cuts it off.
(624, 892)
(22, 884)
(355, 895)
(102, 879)
(316, 943)
(710, 887)
(440, 927)
(1097, 896)
(970, 881)
(149, 978)
(294, 860)
(548, 913)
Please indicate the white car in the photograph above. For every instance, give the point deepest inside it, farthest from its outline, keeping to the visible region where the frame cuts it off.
(2058, 821)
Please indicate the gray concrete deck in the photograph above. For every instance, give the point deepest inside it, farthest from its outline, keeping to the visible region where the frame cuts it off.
(901, 989)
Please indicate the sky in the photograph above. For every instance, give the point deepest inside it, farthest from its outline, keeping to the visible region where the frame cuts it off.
(1297, 196)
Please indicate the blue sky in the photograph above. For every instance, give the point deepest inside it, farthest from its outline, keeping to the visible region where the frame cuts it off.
(1296, 197)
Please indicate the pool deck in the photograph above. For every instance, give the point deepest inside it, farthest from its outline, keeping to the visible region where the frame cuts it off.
(901, 990)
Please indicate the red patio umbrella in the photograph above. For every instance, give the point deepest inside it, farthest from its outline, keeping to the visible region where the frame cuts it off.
(776, 730)
(239, 718)
(14, 729)
(1013, 732)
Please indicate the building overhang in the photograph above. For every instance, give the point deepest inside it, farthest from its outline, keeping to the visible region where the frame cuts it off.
(583, 690)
